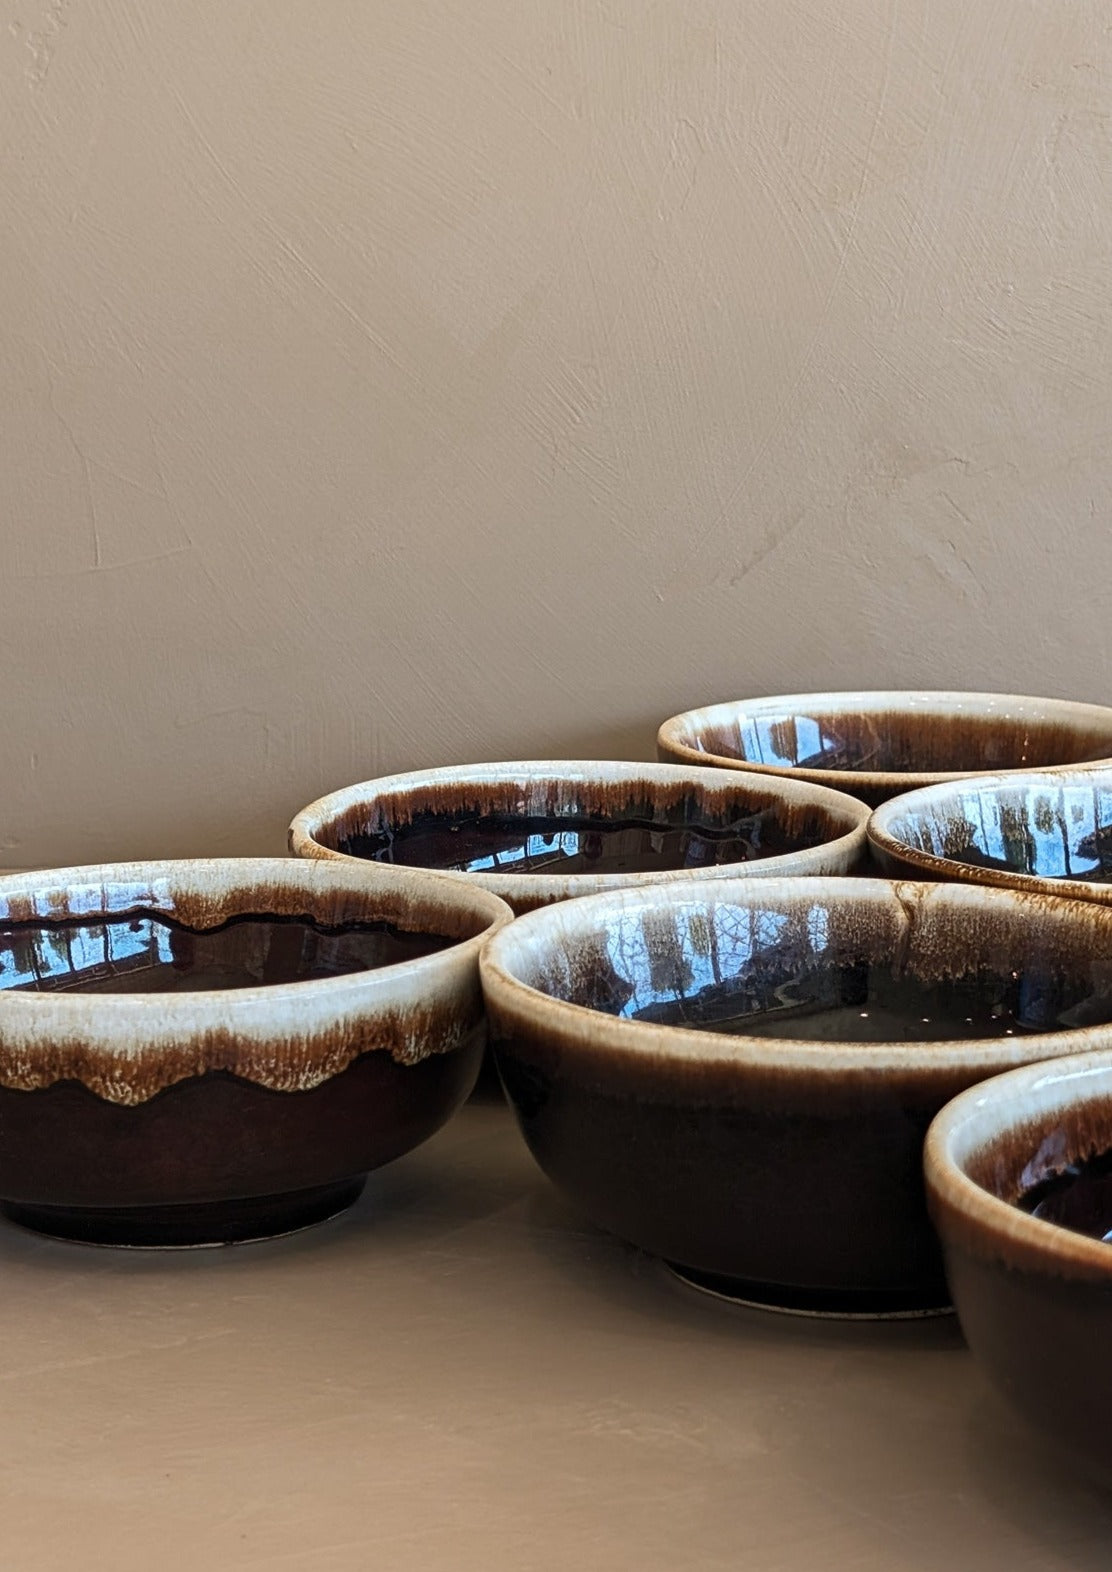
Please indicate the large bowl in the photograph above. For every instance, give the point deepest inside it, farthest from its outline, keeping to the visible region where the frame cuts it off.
(780, 1170)
(550, 810)
(1046, 833)
(224, 1089)
(1034, 1298)
(878, 745)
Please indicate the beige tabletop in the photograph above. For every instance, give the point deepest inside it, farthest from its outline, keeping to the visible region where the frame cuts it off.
(460, 1373)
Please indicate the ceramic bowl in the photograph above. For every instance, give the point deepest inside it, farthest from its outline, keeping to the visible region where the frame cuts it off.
(1034, 1297)
(777, 1159)
(1048, 833)
(549, 830)
(184, 1060)
(877, 745)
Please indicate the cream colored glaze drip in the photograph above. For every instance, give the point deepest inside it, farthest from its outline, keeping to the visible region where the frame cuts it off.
(132, 1072)
(388, 385)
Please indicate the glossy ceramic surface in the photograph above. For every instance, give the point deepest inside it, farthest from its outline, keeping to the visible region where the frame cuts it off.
(784, 1171)
(539, 825)
(232, 1109)
(878, 745)
(1048, 832)
(1034, 1298)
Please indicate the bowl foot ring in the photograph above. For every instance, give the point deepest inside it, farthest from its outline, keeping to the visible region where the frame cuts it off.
(831, 1305)
(188, 1225)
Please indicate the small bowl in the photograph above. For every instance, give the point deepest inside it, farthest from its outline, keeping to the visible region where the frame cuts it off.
(783, 1171)
(1048, 833)
(254, 1100)
(877, 745)
(529, 831)
(1034, 1298)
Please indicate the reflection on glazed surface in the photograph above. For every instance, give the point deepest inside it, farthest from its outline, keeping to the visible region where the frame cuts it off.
(817, 975)
(898, 742)
(1077, 1196)
(570, 843)
(140, 953)
(1055, 832)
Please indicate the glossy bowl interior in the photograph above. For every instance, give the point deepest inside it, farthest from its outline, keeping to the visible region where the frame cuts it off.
(877, 745)
(1034, 1298)
(193, 1052)
(737, 1076)
(549, 830)
(1047, 832)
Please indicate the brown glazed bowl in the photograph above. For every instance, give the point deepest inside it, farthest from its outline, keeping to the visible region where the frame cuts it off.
(877, 745)
(1048, 833)
(1034, 1298)
(164, 1082)
(780, 1170)
(549, 830)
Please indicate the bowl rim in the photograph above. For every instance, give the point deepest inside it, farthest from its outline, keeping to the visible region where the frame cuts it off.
(637, 1041)
(934, 865)
(71, 1004)
(547, 888)
(126, 1048)
(672, 734)
(992, 1108)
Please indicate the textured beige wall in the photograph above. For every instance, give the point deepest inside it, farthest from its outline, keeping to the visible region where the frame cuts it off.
(392, 384)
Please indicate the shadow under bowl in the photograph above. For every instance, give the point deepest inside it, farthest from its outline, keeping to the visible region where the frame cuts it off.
(737, 1076)
(879, 745)
(1034, 1296)
(1046, 833)
(200, 1052)
(551, 830)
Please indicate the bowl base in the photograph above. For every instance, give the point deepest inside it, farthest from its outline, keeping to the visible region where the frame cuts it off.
(190, 1224)
(824, 1304)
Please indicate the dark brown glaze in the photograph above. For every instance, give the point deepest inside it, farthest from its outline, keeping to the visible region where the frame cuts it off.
(274, 1057)
(145, 953)
(1077, 1197)
(878, 754)
(1044, 1343)
(1033, 965)
(200, 909)
(280, 1062)
(901, 742)
(799, 1197)
(216, 1158)
(758, 822)
(240, 1221)
(1043, 832)
(1020, 1158)
(1038, 1315)
(255, 1098)
(570, 844)
(801, 1184)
